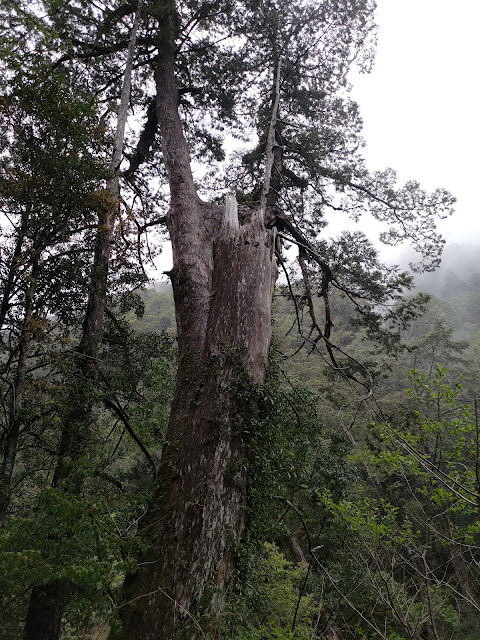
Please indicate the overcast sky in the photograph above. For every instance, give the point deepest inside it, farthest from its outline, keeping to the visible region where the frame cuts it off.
(420, 104)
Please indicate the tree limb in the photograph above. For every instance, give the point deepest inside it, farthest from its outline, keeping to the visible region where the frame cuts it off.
(145, 140)
(120, 412)
(270, 145)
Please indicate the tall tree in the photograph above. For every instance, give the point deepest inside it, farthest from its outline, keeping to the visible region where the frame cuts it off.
(224, 267)
(46, 180)
(47, 601)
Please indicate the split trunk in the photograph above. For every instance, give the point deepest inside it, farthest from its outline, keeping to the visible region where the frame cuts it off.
(223, 278)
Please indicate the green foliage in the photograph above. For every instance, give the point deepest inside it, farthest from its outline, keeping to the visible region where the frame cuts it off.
(86, 542)
(270, 600)
(417, 510)
(394, 520)
(157, 312)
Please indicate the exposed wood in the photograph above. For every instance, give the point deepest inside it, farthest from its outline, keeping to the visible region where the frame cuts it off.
(197, 514)
(119, 141)
(296, 550)
(230, 224)
(223, 279)
(269, 152)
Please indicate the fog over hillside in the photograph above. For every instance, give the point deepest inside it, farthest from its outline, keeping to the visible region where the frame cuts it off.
(459, 271)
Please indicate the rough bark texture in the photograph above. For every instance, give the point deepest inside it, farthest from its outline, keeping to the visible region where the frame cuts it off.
(197, 513)
(223, 278)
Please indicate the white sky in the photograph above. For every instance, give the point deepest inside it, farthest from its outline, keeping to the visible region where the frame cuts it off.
(420, 104)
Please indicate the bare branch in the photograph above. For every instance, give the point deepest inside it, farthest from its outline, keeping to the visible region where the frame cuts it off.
(269, 148)
(120, 412)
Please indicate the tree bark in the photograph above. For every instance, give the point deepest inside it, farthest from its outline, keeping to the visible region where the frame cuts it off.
(197, 513)
(45, 598)
(223, 278)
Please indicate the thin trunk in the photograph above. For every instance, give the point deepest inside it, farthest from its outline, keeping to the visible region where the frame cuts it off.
(223, 279)
(12, 271)
(273, 165)
(432, 630)
(10, 440)
(47, 602)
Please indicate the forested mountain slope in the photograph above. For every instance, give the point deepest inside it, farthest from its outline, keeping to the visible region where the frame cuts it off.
(383, 489)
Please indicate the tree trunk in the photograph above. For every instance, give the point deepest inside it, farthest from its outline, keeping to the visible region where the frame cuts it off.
(197, 513)
(45, 598)
(9, 283)
(47, 602)
(10, 439)
(223, 279)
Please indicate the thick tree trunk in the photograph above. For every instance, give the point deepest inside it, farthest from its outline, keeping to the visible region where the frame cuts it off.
(198, 510)
(223, 279)
(45, 598)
